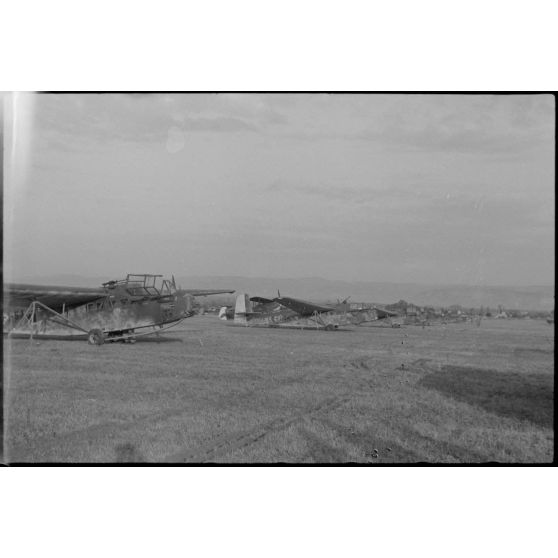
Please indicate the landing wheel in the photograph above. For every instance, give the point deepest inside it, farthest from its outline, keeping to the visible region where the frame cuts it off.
(95, 337)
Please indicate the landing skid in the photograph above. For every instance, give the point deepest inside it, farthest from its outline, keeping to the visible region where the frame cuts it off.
(131, 336)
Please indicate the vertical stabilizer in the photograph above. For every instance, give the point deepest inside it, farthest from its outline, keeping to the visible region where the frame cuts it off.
(242, 309)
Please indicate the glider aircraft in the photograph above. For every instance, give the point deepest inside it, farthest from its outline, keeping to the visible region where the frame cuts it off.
(284, 311)
(141, 304)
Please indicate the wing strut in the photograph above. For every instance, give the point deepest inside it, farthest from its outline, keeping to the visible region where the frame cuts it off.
(28, 319)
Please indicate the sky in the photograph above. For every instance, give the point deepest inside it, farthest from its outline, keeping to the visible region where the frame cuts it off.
(433, 189)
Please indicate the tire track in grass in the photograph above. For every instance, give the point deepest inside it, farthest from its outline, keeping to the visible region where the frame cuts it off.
(225, 444)
(100, 433)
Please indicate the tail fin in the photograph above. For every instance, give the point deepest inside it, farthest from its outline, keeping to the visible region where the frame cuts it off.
(242, 308)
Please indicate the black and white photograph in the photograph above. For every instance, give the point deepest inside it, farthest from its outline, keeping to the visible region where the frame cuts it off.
(279, 278)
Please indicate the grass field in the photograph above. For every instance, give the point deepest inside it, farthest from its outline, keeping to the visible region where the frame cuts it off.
(454, 393)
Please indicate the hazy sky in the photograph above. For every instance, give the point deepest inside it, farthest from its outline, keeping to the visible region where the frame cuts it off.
(402, 188)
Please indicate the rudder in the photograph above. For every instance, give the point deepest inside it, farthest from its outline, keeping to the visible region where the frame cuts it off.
(242, 308)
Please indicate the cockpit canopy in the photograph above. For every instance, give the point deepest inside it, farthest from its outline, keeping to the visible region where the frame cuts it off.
(142, 285)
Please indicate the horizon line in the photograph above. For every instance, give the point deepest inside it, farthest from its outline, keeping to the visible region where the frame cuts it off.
(306, 278)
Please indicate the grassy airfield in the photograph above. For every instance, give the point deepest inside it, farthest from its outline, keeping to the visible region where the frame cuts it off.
(454, 393)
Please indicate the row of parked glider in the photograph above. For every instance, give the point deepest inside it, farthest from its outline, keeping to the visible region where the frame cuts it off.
(145, 304)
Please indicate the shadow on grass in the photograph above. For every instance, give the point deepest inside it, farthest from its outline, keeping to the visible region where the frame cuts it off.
(520, 396)
(128, 453)
(161, 339)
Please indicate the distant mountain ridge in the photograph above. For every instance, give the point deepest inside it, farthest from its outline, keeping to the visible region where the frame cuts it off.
(324, 290)
(318, 289)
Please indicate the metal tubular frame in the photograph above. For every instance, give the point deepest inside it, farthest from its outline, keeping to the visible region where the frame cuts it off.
(28, 319)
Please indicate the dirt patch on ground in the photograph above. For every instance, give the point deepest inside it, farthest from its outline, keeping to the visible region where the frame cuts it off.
(524, 397)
